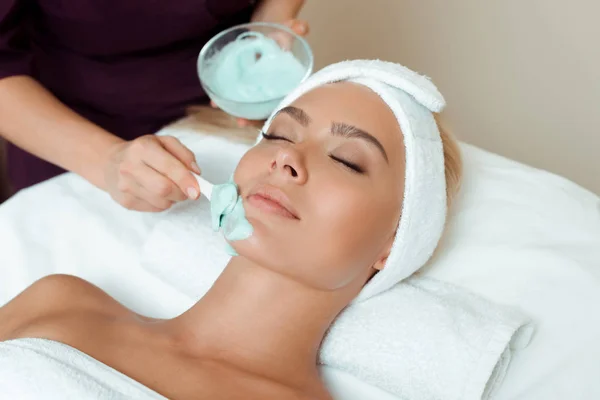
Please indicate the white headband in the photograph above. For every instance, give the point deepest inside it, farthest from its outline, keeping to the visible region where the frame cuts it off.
(413, 99)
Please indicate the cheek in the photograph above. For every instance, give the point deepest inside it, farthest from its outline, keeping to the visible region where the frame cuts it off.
(344, 208)
(251, 165)
(350, 228)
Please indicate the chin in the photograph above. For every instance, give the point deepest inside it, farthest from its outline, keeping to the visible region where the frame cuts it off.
(254, 248)
(267, 234)
(262, 249)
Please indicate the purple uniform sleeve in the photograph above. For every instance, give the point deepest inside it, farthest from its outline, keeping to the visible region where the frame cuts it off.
(15, 58)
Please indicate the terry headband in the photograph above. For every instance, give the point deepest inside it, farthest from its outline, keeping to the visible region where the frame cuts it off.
(413, 99)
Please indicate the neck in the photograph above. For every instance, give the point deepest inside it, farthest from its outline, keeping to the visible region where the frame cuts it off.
(261, 321)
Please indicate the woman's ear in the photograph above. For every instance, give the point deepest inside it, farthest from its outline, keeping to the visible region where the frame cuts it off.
(380, 263)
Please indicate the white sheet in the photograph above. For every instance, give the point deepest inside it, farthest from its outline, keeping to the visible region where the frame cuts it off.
(528, 238)
(65, 225)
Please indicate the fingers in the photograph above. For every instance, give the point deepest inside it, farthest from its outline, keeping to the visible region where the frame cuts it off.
(300, 27)
(182, 153)
(151, 173)
(157, 202)
(149, 182)
(155, 155)
(155, 197)
(285, 39)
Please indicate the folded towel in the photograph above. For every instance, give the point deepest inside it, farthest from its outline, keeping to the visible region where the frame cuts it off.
(422, 339)
(33, 369)
(425, 339)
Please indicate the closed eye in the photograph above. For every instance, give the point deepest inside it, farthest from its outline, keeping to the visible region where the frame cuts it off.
(353, 167)
(270, 136)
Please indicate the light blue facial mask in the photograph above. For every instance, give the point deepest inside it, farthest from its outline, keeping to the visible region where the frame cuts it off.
(244, 69)
(227, 211)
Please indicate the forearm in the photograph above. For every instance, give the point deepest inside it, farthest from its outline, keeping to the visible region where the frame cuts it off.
(277, 10)
(33, 119)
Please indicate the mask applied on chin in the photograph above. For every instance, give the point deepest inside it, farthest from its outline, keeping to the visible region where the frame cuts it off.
(227, 211)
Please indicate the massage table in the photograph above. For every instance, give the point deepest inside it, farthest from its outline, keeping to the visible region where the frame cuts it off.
(517, 236)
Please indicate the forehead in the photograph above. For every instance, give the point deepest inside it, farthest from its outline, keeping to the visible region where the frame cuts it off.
(357, 105)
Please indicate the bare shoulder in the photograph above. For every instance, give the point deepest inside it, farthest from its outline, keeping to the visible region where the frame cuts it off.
(51, 298)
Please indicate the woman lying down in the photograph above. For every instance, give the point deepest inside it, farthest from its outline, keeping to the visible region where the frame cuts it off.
(351, 166)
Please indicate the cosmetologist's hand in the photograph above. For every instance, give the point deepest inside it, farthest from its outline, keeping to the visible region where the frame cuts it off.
(151, 173)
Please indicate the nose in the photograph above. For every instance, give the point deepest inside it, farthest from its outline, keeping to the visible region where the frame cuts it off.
(289, 163)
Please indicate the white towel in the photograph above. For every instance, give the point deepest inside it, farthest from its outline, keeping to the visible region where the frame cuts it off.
(184, 251)
(425, 339)
(422, 339)
(34, 369)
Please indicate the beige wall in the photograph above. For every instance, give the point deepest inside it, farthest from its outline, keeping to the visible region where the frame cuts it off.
(521, 77)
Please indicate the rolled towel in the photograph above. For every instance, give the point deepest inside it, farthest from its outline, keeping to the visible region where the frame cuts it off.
(425, 339)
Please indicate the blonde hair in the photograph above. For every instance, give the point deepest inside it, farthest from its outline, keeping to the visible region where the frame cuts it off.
(452, 162)
(213, 121)
(218, 123)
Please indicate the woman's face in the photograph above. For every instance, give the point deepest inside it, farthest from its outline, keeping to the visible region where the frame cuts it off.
(323, 190)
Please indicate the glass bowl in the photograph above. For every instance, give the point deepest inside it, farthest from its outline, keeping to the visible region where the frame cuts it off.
(252, 110)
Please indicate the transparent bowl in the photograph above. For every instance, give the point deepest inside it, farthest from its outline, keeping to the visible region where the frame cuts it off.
(252, 110)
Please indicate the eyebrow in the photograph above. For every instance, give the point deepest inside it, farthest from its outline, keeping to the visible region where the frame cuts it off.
(350, 132)
(337, 128)
(297, 114)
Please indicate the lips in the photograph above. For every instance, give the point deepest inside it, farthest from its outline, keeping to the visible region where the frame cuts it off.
(272, 200)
